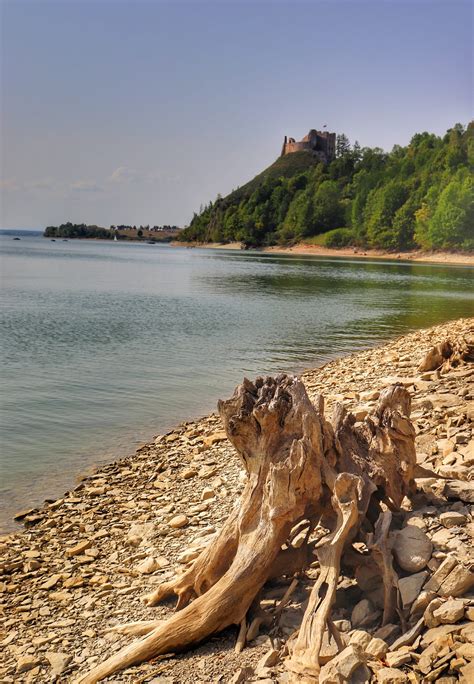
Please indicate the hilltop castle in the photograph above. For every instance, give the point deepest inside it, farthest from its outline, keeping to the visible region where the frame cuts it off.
(321, 144)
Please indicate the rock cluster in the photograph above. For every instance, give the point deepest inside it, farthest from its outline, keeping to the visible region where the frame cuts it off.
(84, 561)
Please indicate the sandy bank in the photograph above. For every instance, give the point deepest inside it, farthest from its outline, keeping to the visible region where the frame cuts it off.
(315, 250)
(81, 565)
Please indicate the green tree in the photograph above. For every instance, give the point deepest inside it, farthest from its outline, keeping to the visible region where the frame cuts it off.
(453, 219)
(343, 146)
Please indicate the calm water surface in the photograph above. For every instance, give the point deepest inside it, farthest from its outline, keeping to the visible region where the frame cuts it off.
(106, 344)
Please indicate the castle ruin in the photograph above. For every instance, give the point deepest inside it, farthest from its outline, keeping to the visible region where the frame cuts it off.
(321, 143)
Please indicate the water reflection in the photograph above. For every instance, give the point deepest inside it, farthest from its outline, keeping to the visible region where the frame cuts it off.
(106, 344)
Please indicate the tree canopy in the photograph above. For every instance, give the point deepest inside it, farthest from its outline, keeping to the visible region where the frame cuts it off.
(421, 195)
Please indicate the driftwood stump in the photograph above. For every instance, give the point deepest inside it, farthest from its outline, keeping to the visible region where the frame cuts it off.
(447, 355)
(299, 467)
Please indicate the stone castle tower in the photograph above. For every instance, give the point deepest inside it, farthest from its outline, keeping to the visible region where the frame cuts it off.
(321, 143)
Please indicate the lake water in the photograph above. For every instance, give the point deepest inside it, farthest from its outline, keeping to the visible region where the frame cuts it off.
(105, 345)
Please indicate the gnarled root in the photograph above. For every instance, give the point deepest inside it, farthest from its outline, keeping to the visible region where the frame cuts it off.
(277, 434)
(379, 544)
(295, 461)
(447, 355)
(304, 659)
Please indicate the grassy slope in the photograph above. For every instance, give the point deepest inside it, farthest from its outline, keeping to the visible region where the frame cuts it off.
(284, 167)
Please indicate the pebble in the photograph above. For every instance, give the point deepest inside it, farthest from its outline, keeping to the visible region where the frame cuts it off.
(178, 521)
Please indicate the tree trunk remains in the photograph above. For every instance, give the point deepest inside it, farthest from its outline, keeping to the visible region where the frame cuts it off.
(299, 467)
(447, 355)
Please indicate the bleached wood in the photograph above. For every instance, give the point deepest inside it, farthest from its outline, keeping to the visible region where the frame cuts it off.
(299, 467)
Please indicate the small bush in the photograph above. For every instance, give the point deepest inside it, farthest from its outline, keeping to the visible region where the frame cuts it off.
(467, 246)
(339, 237)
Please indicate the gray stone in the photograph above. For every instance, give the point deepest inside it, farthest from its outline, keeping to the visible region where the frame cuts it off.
(361, 612)
(422, 602)
(410, 587)
(456, 489)
(412, 548)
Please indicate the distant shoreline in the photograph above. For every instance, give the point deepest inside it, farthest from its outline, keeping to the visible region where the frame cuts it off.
(451, 258)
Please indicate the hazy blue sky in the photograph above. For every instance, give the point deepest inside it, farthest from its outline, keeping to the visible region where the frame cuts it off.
(138, 112)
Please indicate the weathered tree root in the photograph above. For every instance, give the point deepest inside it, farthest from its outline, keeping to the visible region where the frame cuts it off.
(299, 467)
(379, 544)
(447, 355)
(305, 650)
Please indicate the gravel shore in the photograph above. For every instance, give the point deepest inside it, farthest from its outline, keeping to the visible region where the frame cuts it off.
(302, 249)
(83, 562)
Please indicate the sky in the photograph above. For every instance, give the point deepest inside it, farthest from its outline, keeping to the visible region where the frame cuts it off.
(138, 112)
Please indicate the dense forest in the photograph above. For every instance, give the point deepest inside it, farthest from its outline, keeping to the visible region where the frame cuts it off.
(121, 232)
(78, 230)
(418, 196)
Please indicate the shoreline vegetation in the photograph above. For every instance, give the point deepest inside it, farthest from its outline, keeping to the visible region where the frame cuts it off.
(81, 231)
(84, 561)
(414, 203)
(417, 197)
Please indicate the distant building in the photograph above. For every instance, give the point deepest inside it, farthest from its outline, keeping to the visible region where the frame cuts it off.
(321, 143)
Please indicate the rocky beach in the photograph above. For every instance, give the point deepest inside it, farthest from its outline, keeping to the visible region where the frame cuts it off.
(83, 563)
(304, 249)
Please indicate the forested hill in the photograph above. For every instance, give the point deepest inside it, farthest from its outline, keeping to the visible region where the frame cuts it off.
(421, 195)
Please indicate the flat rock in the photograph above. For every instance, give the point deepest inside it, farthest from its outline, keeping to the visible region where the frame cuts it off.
(361, 612)
(422, 601)
(78, 549)
(444, 400)
(377, 648)
(360, 637)
(451, 578)
(465, 651)
(410, 587)
(450, 612)
(58, 661)
(457, 489)
(216, 437)
(27, 662)
(51, 582)
(397, 658)
(391, 675)
(412, 548)
(340, 668)
(148, 566)
(22, 514)
(269, 659)
(242, 675)
(436, 633)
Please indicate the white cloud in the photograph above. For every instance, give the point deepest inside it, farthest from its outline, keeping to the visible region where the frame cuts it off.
(123, 174)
